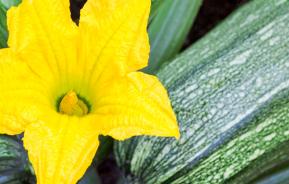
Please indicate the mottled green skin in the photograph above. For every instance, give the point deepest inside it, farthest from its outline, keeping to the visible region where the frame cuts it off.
(230, 93)
(270, 165)
(13, 163)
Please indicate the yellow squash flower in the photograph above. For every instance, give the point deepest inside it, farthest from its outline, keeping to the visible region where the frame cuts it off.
(63, 85)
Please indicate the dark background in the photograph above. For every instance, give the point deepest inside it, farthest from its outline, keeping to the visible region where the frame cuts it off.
(210, 14)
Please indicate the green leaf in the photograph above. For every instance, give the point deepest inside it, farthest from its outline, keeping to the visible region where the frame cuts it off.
(168, 29)
(3, 29)
(154, 9)
(8, 3)
(4, 6)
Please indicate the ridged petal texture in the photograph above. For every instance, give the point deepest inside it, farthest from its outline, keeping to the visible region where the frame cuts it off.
(49, 56)
(60, 150)
(118, 30)
(43, 34)
(22, 97)
(134, 105)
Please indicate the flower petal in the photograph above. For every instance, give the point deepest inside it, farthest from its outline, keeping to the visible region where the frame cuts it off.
(44, 35)
(60, 148)
(22, 95)
(114, 38)
(135, 105)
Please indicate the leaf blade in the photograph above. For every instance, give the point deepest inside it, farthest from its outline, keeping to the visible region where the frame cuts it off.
(168, 30)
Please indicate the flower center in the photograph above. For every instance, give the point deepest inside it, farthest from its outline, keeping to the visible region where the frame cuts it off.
(71, 105)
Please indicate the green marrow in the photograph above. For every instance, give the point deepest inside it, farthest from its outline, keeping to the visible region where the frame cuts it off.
(14, 166)
(230, 92)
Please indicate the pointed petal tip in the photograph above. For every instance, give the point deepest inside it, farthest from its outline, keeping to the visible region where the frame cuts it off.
(174, 129)
(177, 135)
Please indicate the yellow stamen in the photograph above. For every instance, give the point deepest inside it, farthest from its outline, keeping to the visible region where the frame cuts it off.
(72, 105)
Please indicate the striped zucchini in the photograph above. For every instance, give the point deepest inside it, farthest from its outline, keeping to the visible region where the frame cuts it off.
(230, 92)
(14, 167)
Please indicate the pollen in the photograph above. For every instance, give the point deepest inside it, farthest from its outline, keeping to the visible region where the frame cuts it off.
(72, 105)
